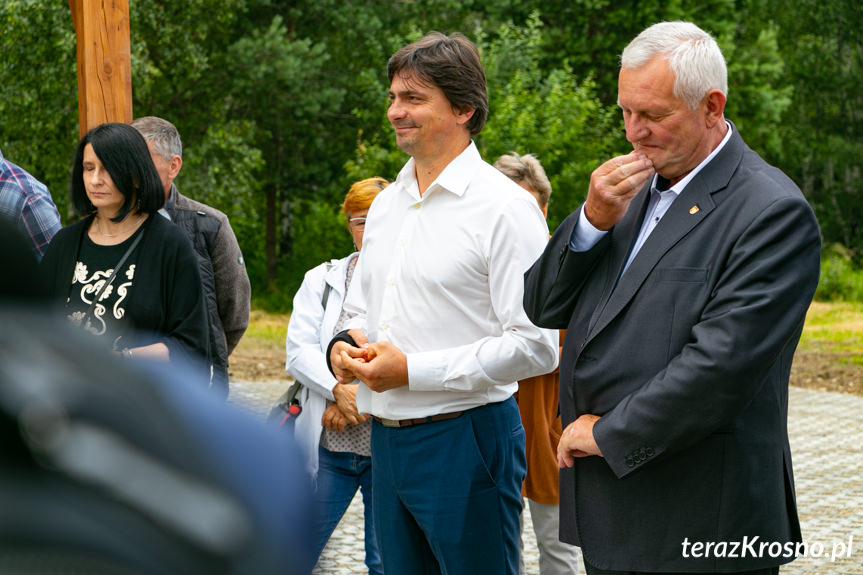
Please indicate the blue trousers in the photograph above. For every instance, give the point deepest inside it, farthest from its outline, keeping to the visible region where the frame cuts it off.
(339, 476)
(447, 495)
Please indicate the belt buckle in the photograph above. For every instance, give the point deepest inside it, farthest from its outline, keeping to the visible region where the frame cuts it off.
(389, 422)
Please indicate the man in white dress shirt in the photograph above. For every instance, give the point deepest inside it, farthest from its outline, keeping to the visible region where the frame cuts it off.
(441, 337)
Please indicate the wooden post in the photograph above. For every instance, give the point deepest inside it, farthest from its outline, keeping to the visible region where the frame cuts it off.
(104, 62)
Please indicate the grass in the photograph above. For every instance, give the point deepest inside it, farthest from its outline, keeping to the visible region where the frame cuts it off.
(835, 327)
(267, 327)
(260, 355)
(830, 326)
(829, 357)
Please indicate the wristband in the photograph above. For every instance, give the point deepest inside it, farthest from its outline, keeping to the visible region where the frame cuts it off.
(341, 336)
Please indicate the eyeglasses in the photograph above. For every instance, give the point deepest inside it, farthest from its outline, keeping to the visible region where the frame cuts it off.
(357, 222)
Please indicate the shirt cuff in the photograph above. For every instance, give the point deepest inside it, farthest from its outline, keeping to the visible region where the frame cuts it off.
(425, 373)
(584, 235)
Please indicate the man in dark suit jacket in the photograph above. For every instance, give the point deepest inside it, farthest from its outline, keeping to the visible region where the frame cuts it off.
(683, 282)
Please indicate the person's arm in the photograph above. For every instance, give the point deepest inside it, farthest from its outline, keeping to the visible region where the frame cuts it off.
(185, 327)
(233, 290)
(305, 359)
(333, 419)
(749, 325)
(521, 349)
(154, 352)
(352, 342)
(381, 366)
(577, 441)
(40, 220)
(553, 283)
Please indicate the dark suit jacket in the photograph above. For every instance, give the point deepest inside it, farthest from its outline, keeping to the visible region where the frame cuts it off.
(687, 362)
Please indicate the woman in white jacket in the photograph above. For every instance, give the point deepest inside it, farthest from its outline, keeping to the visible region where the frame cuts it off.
(335, 436)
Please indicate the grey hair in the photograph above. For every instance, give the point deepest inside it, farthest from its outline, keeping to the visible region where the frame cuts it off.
(526, 169)
(693, 56)
(164, 135)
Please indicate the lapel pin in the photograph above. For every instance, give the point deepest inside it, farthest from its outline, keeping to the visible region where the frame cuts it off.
(694, 209)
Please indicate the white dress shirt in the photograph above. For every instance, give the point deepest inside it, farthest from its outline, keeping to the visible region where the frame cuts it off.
(442, 278)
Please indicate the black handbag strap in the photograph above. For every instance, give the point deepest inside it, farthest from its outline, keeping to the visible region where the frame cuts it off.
(126, 255)
(290, 396)
(292, 392)
(327, 288)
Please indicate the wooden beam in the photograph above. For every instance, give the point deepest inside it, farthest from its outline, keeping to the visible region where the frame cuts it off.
(104, 62)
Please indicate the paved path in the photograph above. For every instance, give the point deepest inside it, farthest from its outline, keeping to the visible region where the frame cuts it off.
(826, 431)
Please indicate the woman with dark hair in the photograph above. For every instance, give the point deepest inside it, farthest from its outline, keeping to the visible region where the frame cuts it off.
(124, 273)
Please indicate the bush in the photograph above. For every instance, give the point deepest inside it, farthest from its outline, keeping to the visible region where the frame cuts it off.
(319, 235)
(841, 279)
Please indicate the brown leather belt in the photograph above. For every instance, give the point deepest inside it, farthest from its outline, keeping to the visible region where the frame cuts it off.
(417, 421)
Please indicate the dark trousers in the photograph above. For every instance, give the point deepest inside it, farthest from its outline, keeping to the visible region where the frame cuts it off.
(591, 570)
(447, 494)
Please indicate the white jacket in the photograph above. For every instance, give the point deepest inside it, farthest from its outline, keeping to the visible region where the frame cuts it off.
(310, 330)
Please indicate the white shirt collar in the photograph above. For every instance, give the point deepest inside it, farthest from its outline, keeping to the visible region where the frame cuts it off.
(454, 178)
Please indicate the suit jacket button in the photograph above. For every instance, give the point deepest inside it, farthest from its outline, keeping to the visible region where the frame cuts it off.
(629, 461)
(650, 452)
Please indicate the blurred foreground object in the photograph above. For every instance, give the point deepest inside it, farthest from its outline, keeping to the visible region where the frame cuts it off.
(110, 467)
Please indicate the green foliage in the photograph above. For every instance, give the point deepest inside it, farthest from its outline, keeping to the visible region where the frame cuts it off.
(841, 279)
(544, 112)
(589, 35)
(38, 91)
(325, 236)
(282, 105)
(757, 97)
(256, 109)
(822, 130)
(281, 85)
(325, 230)
(175, 52)
(375, 159)
(547, 113)
(220, 170)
